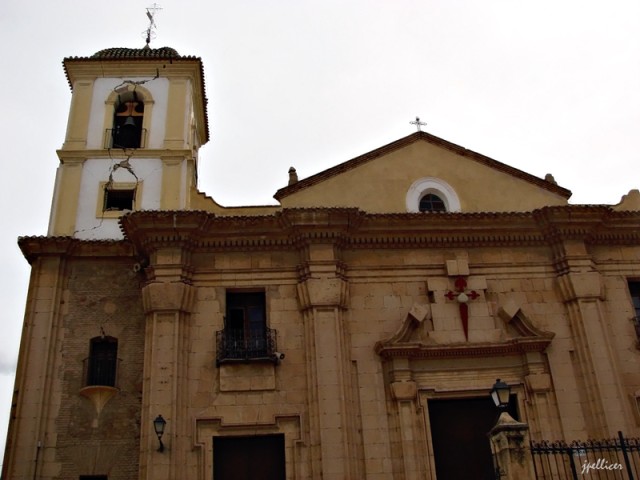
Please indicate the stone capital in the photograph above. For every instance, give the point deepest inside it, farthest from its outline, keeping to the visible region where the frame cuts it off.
(581, 286)
(323, 292)
(168, 297)
(404, 390)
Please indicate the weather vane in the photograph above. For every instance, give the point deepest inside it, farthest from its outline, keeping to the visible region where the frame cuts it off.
(418, 123)
(150, 31)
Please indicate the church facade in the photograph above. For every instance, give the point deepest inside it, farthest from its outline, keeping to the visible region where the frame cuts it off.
(353, 331)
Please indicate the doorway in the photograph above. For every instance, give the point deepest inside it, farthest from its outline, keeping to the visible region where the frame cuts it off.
(459, 433)
(249, 458)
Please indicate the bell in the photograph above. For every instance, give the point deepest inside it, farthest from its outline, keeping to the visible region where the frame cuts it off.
(129, 122)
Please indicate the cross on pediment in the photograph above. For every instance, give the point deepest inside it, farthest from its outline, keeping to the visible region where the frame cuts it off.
(418, 123)
(462, 296)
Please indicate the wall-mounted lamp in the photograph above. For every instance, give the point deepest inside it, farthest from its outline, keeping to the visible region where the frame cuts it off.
(158, 426)
(500, 394)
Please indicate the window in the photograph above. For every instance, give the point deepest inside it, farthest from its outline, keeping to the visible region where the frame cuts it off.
(431, 194)
(245, 335)
(116, 199)
(101, 366)
(634, 290)
(432, 203)
(127, 121)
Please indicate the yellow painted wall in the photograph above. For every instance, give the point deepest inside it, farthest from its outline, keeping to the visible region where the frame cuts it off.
(381, 185)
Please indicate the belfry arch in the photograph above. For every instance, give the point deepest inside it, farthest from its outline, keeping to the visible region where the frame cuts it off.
(127, 119)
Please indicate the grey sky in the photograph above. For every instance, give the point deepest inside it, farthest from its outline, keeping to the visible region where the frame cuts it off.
(545, 86)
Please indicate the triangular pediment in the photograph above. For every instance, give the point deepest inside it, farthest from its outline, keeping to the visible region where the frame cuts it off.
(381, 181)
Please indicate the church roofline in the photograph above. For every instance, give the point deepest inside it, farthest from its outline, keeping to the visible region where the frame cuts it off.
(403, 142)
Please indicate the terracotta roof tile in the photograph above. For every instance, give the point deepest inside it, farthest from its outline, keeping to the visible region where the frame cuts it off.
(146, 52)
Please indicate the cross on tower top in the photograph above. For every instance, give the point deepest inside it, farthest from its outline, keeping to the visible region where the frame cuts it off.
(418, 123)
(151, 12)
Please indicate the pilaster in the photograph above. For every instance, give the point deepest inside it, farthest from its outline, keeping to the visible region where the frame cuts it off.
(172, 183)
(31, 440)
(580, 284)
(323, 296)
(175, 130)
(404, 392)
(67, 194)
(168, 301)
(78, 124)
(603, 403)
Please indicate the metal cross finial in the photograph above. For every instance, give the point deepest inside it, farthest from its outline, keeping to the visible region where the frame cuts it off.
(418, 123)
(151, 12)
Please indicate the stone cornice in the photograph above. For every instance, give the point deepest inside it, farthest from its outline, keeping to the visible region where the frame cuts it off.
(417, 351)
(593, 224)
(81, 155)
(352, 228)
(34, 247)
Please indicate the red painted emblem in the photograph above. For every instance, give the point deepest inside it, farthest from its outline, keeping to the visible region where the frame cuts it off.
(462, 296)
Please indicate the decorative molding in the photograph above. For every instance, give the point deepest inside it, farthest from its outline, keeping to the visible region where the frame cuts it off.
(354, 229)
(515, 346)
(531, 339)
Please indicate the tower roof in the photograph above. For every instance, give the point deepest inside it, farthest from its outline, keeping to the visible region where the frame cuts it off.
(132, 53)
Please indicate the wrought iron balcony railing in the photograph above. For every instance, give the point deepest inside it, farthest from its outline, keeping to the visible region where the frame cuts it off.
(100, 372)
(243, 346)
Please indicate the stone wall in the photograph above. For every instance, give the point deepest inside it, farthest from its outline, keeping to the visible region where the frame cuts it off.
(103, 297)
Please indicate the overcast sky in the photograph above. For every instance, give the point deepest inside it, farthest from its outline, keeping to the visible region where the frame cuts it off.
(544, 86)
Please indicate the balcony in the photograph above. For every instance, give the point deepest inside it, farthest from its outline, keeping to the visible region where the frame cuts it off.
(246, 346)
(99, 380)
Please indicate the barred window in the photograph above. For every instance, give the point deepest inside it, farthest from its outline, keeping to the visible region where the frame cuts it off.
(102, 362)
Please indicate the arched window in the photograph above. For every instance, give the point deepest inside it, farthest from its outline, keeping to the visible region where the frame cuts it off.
(432, 203)
(431, 194)
(127, 121)
(101, 366)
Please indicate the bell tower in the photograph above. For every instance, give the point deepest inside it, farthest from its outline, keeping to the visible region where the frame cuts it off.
(137, 120)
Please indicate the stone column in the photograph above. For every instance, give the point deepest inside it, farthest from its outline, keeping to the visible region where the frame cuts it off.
(510, 447)
(168, 301)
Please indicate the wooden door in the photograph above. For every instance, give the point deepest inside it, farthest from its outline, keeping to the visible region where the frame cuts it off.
(459, 433)
(249, 458)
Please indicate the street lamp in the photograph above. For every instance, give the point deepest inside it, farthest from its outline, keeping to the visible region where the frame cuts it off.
(158, 426)
(500, 394)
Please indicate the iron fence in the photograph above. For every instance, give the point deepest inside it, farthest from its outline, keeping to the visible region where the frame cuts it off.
(614, 458)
